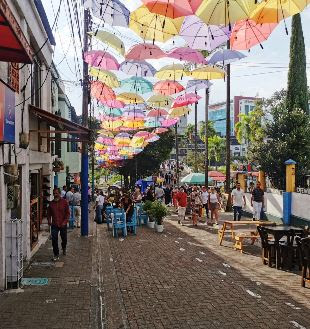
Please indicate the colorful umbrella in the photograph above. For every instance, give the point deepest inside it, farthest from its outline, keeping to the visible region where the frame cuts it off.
(112, 112)
(144, 51)
(171, 72)
(137, 85)
(187, 54)
(207, 73)
(178, 112)
(110, 39)
(113, 103)
(160, 130)
(225, 56)
(101, 59)
(106, 77)
(130, 98)
(195, 85)
(185, 100)
(153, 122)
(247, 33)
(199, 35)
(138, 68)
(169, 122)
(137, 142)
(101, 91)
(133, 115)
(138, 124)
(105, 133)
(160, 101)
(157, 113)
(112, 12)
(167, 87)
(111, 125)
(150, 26)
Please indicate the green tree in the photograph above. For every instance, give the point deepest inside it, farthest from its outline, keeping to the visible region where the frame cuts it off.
(210, 127)
(242, 128)
(190, 160)
(189, 132)
(297, 90)
(217, 147)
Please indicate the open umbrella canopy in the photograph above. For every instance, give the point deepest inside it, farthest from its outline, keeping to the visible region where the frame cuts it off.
(168, 87)
(145, 51)
(157, 113)
(101, 91)
(137, 68)
(112, 112)
(101, 59)
(112, 103)
(105, 133)
(133, 115)
(112, 12)
(137, 85)
(134, 124)
(186, 99)
(195, 85)
(194, 179)
(207, 73)
(187, 54)
(169, 122)
(160, 101)
(153, 122)
(172, 8)
(214, 173)
(225, 56)
(247, 33)
(150, 26)
(171, 72)
(130, 98)
(110, 39)
(199, 35)
(104, 76)
(178, 112)
(112, 125)
(160, 130)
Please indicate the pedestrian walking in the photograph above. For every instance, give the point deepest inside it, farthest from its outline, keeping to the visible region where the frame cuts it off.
(64, 192)
(99, 206)
(214, 205)
(76, 201)
(159, 193)
(257, 201)
(181, 198)
(168, 196)
(196, 204)
(58, 216)
(175, 191)
(205, 201)
(238, 201)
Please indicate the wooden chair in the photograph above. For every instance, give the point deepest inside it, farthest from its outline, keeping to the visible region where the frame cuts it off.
(304, 256)
(268, 247)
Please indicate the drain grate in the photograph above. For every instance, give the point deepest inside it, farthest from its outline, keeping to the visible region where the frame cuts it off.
(34, 281)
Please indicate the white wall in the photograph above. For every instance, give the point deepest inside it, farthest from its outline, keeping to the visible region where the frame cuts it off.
(301, 205)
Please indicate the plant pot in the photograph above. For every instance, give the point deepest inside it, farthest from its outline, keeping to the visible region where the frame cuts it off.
(151, 224)
(159, 228)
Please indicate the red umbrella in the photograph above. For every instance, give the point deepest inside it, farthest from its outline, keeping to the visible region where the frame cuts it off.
(157, 113)
(213, 173)
(167, 87)
(101, 91)
(144, 51)
(185, 100)
(172, 8)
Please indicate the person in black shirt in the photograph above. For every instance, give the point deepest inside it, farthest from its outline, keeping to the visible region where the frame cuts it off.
(257, 201)
(127, 204)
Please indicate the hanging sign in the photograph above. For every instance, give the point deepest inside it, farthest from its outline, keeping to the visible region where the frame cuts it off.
(7, 114)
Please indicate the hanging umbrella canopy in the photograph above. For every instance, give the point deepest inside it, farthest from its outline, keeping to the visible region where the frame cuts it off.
(101, 91)
(101, 59)
(225, 56)
(104, 76)
(172, 8)
(133, 115)
(160, 130)
(154, 27)
(112, 103)
(178, 112)
(138, 68)
(112, 12)
(144, 51)
(135, 107)
(167, 87)
(207, 73)
(273, 11)
(160, 101)
(187, 54)
(169, 122)
(247, 33)
(110, 39)
(137, 142)
(142, 133)
(130, 98)
(112, 112)
(105, 133)
(171, 72)
(123, 135)
(225, 12)
(185, 100)
(136, 124)
(194, 179)
(111, 125)
(199, 35)
(157, 113)
(214, 173)
(137, 85)
(195, 85)
(153, 122)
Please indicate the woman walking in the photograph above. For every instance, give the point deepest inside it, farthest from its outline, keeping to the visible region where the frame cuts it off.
(214, 205)
(196, 204)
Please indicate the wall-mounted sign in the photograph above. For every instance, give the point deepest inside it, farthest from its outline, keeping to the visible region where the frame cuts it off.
(7, 114)
(14, 76)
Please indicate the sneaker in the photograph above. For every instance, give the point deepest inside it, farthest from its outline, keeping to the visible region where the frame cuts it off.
(64, 252)
(55, 258)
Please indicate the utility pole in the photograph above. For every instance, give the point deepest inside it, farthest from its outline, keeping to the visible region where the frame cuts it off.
(196, 114)
(206, 138)
(84, 163)
(93, 156)
(177, 153)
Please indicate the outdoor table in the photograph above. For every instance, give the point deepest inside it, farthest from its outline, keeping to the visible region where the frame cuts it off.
(278, 233)
(230, 224)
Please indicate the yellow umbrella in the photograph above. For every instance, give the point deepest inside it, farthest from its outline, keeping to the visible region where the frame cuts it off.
(134, 124)
(105, 133)
(130, 98)
(160, 101)
(99, 146)
(110, 39)
(225, 12)
(171, 72)
(137, 142)
(122, 141)
(178, 112)
(112, 125)
(207, 73)
(273, 11)
(106, 77)
(150, 26)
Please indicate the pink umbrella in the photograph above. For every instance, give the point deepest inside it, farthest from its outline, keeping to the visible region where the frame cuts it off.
(169, 122)
(144, 51)
(185, 100)
(160, 130)
(167, 87)
(142, 133)
(187, 54)
(247, 33)
(102, 59)
(101, 91)
(114, 103)
(157, 113)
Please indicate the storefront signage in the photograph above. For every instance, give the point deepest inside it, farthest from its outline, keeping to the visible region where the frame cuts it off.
(14, 76)
(303, 190)
(7, 114)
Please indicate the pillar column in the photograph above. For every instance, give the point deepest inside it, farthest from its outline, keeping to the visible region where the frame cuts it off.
(262, 179)
(290, 187)
(241, 179)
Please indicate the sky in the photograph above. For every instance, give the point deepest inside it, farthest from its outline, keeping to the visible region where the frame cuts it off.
(261, 73)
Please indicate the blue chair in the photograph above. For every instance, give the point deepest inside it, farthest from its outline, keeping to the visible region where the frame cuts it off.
(133, 222)
(108, 212)
(119, 222)
(138, 208)
(142, 215)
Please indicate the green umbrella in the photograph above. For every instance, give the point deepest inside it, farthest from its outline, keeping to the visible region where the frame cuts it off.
(194, 179)
(137, 85)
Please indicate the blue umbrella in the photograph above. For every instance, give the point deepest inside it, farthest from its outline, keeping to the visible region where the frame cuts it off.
(137, 68)
(137, 85)
(225, 57)
(194, 85)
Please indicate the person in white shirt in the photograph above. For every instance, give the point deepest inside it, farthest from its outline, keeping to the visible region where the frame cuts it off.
(76, 201)
(69, 196)
(238, 201)
(205, 200)
(159, 193)
(64, 192)
(99, 207)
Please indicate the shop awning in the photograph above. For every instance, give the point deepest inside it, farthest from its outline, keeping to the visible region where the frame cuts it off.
(60, 124)
(14, 46)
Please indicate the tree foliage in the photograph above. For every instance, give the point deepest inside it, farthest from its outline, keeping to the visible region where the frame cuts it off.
(210, 130)
(217, 146)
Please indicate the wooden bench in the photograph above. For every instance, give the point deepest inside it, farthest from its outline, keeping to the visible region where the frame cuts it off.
(241, 236)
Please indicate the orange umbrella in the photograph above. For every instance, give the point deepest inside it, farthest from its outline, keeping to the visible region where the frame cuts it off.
(101, 91)
(167, 87)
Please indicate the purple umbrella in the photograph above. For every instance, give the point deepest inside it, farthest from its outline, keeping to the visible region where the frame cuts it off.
(225, 56)
(138, 68)
(194, 85)
(199, 35)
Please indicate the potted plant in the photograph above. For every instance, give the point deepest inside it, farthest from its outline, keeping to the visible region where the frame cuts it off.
(147, 206)
(58, 165)
(159, 212)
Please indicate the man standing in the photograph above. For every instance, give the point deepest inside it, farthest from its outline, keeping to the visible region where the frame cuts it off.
(257, 201)
(76, 201)
(238, 201)
(205, 200)
(64, 192)
(58, 216)
(181, 197)
(99, 207)
(159, 193)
